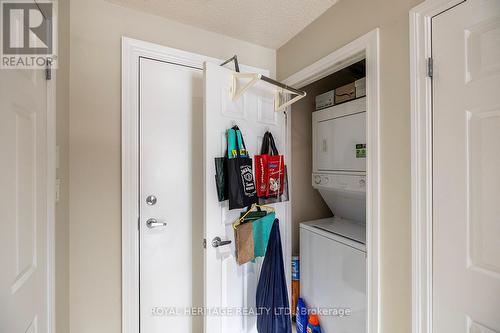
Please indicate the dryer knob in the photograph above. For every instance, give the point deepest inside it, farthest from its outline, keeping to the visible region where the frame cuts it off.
(317, 179)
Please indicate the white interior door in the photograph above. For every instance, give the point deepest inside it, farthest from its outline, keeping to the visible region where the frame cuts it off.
(24, 227)
(229, 286)
(466, 170)
(171, 255)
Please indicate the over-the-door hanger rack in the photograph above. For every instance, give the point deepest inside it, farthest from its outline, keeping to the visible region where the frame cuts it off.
(254, 78)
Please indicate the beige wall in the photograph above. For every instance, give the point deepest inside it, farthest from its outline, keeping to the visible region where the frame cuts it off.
(62, 139)
(341, 24)
(307, 202)
(94, 144)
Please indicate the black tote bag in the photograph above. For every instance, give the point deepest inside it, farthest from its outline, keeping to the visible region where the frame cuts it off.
(241, 184)
(220, 177)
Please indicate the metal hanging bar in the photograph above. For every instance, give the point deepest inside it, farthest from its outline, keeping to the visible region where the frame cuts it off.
(255, 77)
(235, 60)
(283, 86)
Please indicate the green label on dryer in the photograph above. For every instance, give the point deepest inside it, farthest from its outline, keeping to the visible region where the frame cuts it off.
(360, 150)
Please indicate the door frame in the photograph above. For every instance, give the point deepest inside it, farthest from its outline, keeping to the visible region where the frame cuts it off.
(421, 159)
(52, 164)
(366, 46)
(132, 51)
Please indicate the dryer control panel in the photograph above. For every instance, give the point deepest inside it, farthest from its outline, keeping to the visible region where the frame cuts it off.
(340, 182)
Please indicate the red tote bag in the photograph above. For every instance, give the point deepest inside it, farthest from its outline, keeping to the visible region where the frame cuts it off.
(269, 169)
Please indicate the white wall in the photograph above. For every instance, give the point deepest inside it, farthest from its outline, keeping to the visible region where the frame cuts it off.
(94, 144)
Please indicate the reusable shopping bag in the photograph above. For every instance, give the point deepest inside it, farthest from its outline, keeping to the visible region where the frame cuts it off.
(270, 169)
(243, 236)
(234, 139)
(221, 183)
(279, 198)
(241, 185)
(220, 178)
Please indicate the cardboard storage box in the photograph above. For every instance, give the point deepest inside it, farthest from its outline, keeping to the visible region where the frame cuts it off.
(325, 100)
(345, 93)
(360, 87)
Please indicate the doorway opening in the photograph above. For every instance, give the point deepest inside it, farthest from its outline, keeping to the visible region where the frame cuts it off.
(338, 184)
(329, 229)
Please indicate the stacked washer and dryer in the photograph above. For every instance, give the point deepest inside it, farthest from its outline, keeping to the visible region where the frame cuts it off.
(333, 250)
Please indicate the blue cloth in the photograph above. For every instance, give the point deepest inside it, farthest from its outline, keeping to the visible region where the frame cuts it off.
(261, 231)
(273, 314)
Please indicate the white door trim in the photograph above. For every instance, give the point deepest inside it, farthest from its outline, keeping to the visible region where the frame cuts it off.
(51, 201)
(132, 51)
(365, 46)
(421, 160)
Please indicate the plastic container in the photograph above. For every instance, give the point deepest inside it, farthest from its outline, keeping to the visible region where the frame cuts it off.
(295, 268)
(295, 296)
(302, 316)
(313, 324)
(295, 284)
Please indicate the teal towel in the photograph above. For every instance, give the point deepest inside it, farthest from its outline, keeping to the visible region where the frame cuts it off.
(261, 231)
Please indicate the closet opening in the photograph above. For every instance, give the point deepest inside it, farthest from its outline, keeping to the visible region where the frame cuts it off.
(329, 210)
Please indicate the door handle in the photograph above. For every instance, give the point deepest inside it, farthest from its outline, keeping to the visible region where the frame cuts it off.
(216, 242)
(154, 223)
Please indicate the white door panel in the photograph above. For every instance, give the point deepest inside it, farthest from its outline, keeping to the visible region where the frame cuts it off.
(171, 256)
(466, 170)
(228, 285)
(24, 281)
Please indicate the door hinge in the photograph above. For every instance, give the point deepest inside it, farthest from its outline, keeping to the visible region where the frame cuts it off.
(430, 67)
(48, 70)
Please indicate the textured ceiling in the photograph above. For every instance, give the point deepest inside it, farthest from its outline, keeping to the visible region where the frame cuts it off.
(269, 23)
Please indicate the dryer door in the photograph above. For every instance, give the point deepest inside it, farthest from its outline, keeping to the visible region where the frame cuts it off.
(337, 131)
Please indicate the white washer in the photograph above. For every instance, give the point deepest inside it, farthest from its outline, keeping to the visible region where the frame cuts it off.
(333, 273)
